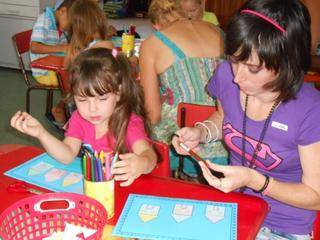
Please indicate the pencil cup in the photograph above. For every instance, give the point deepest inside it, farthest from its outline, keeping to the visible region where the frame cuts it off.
(127, 44)
(102, 192)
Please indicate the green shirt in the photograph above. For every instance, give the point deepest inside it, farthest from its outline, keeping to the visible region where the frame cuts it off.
(210, 17)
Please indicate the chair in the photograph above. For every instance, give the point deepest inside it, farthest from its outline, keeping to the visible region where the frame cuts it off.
(163, 166)
(313, 77)
(316, 228)
(21, 43)
(187, 115)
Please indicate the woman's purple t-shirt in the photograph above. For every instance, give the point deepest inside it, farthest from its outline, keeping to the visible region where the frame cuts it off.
(293, 123)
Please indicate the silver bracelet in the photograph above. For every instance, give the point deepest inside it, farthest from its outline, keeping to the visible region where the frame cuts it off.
(208, 135)
(215, 127)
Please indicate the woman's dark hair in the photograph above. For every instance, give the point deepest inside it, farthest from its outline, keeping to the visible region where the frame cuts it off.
(288, 54)
(97, 71)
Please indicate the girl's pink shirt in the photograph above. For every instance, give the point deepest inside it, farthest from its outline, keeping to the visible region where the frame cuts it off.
(83, 130)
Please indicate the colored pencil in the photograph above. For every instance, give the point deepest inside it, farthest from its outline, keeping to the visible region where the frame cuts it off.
(107, 169)
(96, 171)
(100, 171)
(92, 168)
(115, 158)
(102, 156)
(84, 170)
(89, 167)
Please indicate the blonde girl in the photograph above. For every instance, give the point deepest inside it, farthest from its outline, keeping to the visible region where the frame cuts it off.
(195, 9)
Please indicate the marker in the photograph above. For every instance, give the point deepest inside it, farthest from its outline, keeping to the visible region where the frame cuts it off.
(88, 164)
(102, 156)
(115, 158)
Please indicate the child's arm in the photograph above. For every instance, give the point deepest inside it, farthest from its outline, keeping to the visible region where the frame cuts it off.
(41, 48)
(64, 151)
(132, 165)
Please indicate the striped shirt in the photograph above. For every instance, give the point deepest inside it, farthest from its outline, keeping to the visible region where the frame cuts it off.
(46, 31)
(184, 81)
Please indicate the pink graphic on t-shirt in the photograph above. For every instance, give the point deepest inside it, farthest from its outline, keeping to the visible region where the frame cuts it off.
(266, 158)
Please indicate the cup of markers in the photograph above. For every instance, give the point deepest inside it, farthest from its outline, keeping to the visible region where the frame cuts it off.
(128, 38)
(98, 180)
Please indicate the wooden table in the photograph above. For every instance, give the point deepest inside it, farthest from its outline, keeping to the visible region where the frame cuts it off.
(251, 210)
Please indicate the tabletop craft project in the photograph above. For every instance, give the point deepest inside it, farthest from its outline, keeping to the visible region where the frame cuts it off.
(152, 217)
(44, 171)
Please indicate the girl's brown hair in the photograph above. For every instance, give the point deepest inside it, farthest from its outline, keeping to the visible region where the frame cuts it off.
(97, 71)
(88, 22)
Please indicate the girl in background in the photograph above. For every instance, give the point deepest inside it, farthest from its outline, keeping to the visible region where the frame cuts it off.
(110, 115)
(195, 9)
(88, 28)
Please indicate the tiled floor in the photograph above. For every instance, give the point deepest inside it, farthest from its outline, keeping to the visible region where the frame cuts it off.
(12, 99)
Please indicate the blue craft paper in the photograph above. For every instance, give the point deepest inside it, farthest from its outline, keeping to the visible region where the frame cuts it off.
(197, 227)
(21, 173)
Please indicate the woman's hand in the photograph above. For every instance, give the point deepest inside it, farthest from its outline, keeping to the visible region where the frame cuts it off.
(27, 124)
(127, 169)
(235, 176)
(190, 136)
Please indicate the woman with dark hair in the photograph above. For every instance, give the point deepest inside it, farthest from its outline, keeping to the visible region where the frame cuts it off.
(267, 117)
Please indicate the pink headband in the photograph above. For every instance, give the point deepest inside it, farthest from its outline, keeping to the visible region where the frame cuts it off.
(264, 17)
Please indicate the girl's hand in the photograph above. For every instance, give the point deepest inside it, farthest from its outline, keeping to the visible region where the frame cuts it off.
(235, 176)
(127, 169)
(27, 124)
(190, 136)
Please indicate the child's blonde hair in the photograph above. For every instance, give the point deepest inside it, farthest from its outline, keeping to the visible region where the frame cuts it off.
(97, 71)
(88, 22)
(160, 11)
(192, 1)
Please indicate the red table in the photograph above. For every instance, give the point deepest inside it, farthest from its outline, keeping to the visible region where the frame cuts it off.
(54, 63)
(49, 62)
(251, 210)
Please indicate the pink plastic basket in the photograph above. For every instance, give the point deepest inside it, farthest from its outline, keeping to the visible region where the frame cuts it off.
(39, 216)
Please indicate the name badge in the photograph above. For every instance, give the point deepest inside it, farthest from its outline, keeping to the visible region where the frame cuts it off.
(280, 126)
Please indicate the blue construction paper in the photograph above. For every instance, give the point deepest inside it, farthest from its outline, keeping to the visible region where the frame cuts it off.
(197, 227)
(21, 173)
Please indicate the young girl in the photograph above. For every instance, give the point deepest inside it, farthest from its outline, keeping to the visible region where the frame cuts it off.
(88, 28)
(194, 9)
(109, 116)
